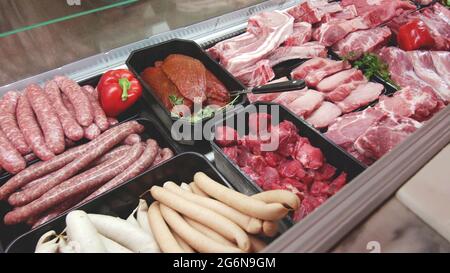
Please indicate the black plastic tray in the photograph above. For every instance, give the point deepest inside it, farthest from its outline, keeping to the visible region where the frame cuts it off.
(333, 153)
(131, 113)
(122, 200)
(146, 57)
(8, 233)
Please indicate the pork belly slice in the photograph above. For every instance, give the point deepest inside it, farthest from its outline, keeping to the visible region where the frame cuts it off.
(332, 82)
(361, 96)
(302, 70)
(343, 91)
(229, 47)
(314, 77)
(424, 68)
(268, 97)
(324, 115)
(302, 33)
(256, 75)
(306, 104)
(362, 41)
(305, 51)
(332, 32)
(384, 135)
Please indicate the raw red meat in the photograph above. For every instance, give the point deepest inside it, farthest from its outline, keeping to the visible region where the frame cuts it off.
(256, 75)
(226, 136)
(306, 104)
(332, 82)
(188, 75)
(325, 115)
(384, 135)
(302, 33)
(259, 123)
(215, 90)
(314, 77)
(362, 41)
(332, 32)
(305, 51)
(310, 156)
(361, 96)
(291, 169)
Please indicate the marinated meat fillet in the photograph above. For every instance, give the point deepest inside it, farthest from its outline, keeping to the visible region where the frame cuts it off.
(362, 41)
(163, 87)
(305, 51)
(188, 75)
(215, 90)
(361, 96)
(324, 115)
(332, 82)
(302, 33)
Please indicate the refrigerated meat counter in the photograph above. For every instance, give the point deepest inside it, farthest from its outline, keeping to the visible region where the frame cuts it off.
(322, 230)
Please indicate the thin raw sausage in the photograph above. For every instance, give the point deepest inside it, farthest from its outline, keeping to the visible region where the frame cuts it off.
(136, 168)
(31, 130)
(118, 151)
(92, 131)
(79, 100)
(71, 128)
(94, 149)
(74, 186)
(47, 118)
(8, 122)
(99, 115)
(132, 139)
(10, 159)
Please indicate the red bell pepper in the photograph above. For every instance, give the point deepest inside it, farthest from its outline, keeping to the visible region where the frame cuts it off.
(415, 35)
(118, 90)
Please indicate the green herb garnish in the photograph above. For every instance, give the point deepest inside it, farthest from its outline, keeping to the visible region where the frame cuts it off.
(176, 100)
(372, 66)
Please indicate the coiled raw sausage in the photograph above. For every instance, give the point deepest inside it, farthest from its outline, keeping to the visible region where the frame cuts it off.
(70, 126)
(8, 122)
(47, 118)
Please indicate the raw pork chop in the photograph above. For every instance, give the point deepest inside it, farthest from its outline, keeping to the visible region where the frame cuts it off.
(349, 127)
(268, 97)
(312, 11)
(302, 34)
(273, 29)
(424, 68)
(441, 61)
(315, 63)
(361, 96)
(286, 98)
(226, 48)
(256, 75)
(305, 51)
(383, 136)
(332, 67)
(332, 82)
(306, 104)
(362, 41)
(342, 91)
(410, 103)
(332, 32)
(324, 115)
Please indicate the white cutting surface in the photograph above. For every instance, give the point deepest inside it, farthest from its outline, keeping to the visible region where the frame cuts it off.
(427, 193)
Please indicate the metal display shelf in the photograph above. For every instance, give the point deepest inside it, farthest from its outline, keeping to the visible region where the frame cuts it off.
(321, 230)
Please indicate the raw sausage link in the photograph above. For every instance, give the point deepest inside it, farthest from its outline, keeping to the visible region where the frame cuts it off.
(166, 154)
(47, 118)
(132, 139)
(92, 131)
(8, 122)
(10, 159)
(119, 151)
(31, 130)
(146, 160)
(158, 158)
(74, 186)
(72, 129)
(94, 149)
(79, 100)
(112, 121)
(99, 115)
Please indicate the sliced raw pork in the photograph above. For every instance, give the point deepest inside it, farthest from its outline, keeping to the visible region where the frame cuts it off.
(348, 12)
(302, 70)
(424, 68)
(332, 82)
(324, 115)
(362, 41)
(384, 135)
(306, 104)
(312, 11)
(305, 51)
(268, 97)
(441, 61)
(410, 103)
(342, 91)
(256, 75)
(330, 68)
(361, 96)
(228, 47)
(302, 34)
(286, 98)
(332, 32)
(272, 29)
